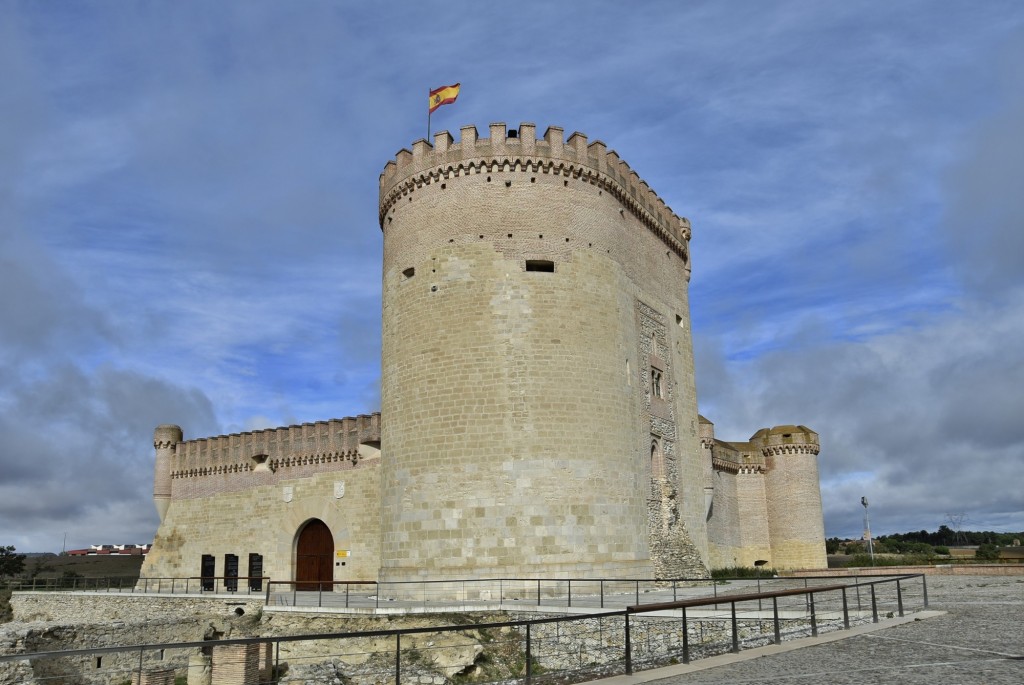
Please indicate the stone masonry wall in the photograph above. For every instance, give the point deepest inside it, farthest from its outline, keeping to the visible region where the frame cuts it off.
(265, 519)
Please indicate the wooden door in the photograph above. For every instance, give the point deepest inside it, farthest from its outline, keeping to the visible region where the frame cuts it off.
(314, 557)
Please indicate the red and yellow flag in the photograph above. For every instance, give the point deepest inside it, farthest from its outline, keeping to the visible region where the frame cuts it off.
(445, 95)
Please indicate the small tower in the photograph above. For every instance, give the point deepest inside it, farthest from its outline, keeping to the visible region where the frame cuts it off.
(165, 437)
(795, 525)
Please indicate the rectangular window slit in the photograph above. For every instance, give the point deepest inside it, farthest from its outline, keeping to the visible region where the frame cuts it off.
(410, 272)
(540, 265)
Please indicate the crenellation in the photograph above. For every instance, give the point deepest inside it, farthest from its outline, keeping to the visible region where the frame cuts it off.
(223, 453)
(577, 159)
(442, 141)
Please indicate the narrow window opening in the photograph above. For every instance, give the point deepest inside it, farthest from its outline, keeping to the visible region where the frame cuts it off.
(231, 572)
(161, 655)
(509, 235)
(488, 179)
(656, 385)
(481, 237)
(508, 184)
(540, 265)
(443, 186)
(410, 272)
(565, 183)
(99, 662)
(541, 236)
(207, 571)
(566, 240)
(679, 321)
(629, 375)
(533, 179)
(255, 571)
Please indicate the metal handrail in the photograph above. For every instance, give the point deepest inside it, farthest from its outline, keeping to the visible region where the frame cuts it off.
(633, 610)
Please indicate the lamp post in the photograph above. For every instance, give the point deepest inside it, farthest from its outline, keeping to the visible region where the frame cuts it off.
(867, 529)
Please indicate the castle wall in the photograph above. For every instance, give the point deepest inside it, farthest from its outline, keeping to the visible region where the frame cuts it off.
(724, 539)
(258, 519)
(252, 492)
(517, 436)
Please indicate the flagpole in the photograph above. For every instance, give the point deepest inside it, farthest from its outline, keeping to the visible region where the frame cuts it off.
(428, 115)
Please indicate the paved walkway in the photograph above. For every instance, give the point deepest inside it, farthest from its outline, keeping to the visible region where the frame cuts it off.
(974, 634)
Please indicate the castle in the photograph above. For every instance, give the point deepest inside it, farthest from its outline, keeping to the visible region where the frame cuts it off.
(538, 404)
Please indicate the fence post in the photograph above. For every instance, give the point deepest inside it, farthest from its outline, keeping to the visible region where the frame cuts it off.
(267, 600)
(638, 592)
(346, 594)
(874, 605)
(629, 649)
(899, 597)
(538, 592)
(319, 595)
(140, 665)
(814, 618)
(846, 611)
(775, 620)
(398, 658)
(924, 584)
(686, 639)
(529, 657)
(735, 630)
(602, 594)
(570, 593)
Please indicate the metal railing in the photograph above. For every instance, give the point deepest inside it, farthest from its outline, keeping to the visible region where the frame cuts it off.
(564, 648)
(247, 585)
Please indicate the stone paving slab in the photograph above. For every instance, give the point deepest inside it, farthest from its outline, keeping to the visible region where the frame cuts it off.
(974, 633)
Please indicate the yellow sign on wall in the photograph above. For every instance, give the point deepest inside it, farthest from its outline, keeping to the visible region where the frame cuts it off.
(343, 553)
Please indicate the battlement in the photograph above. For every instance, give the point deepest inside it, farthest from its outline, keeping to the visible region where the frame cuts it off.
(786, 440)
(521, 150)
(308, 443)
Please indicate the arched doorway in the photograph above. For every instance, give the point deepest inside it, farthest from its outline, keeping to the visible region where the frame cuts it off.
(314, 557)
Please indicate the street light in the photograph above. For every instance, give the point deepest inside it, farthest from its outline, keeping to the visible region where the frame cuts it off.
(867, 529)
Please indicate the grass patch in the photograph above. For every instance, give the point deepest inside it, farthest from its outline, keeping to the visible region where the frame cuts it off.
(741, 572)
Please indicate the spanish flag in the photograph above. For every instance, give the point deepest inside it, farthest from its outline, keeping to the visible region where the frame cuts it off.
(445, 95)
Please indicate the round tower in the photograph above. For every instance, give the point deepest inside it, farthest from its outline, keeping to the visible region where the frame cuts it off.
(796, 527)
(165, 437)
(535, 341)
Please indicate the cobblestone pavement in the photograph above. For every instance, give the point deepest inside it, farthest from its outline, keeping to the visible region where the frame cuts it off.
(979, 639)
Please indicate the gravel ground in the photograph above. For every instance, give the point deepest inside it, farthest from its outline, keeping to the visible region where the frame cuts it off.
(980, 639)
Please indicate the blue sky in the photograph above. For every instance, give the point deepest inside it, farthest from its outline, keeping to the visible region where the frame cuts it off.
(188, 224)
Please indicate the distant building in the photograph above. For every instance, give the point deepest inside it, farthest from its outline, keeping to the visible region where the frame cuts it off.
(117, 550)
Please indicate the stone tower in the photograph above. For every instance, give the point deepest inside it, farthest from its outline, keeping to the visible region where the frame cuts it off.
(795, 524)
(165, 438)
(537, 368)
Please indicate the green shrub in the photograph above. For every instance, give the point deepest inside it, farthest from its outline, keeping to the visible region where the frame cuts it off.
(741, 572)
(987, 552)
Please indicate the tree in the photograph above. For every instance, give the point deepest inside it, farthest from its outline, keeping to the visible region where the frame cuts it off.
(11, 564)
(987, 552)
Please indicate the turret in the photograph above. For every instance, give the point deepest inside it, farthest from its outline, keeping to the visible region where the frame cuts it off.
(795, 526)
(165, 438)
